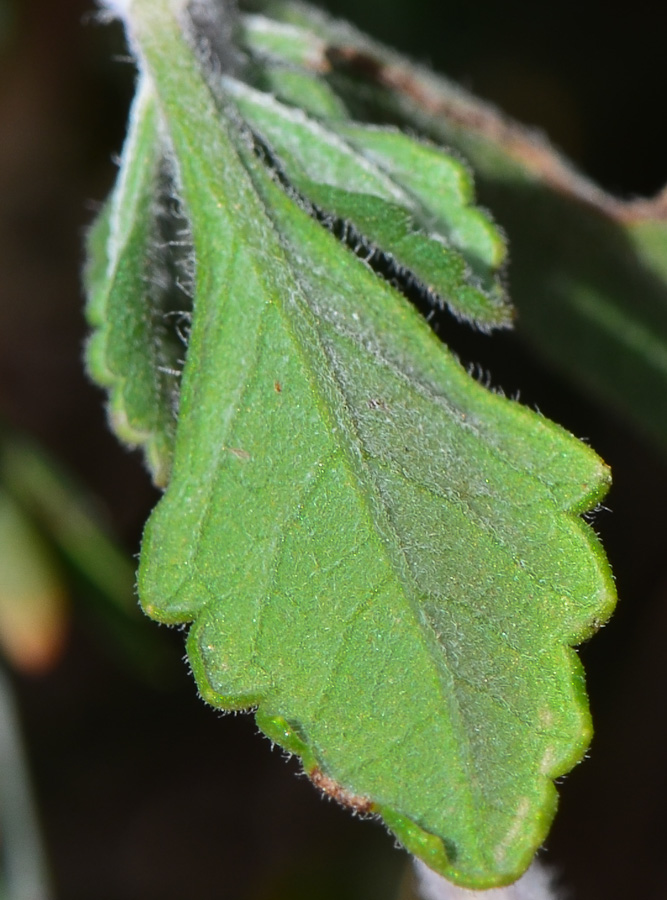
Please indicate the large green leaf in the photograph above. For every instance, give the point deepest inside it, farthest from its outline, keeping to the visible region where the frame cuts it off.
(588, 274)
(376, 552)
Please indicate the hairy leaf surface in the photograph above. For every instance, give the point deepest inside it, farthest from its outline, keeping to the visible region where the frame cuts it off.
(131, 296)
(396, 192)
(589, 287)
(376, 552)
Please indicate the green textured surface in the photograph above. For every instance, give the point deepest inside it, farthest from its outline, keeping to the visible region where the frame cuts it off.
(383, 191)
(381, 555)
(129, 352)
(587, 277)
(303, 90)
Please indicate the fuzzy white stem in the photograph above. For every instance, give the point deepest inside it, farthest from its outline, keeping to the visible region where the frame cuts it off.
(117, 8)
(536, 884)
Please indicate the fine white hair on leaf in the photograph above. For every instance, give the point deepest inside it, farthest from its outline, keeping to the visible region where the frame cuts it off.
(535, 884)
(117, 8)
(210, 24)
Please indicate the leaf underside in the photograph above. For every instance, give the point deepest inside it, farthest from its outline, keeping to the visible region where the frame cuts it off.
(376, 552)
(137, 284)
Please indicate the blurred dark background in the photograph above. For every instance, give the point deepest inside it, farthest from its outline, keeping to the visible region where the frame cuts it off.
(142, 790)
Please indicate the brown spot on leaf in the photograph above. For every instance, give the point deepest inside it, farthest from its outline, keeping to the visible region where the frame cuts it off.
(361, 805)
(277, 387)
(239, 453)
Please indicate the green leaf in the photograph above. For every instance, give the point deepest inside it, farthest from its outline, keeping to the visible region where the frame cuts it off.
(376, 552)
(411, 200)
(288, 43)
(441, 184)
(588, 276)
(131, 296)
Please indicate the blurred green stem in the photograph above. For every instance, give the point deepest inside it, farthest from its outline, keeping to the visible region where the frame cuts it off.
(25, 875)
(64, 515)
(59, 506)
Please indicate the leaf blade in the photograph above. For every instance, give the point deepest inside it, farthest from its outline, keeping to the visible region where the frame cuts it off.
(389, 205)
(324, 459)
(129, 351)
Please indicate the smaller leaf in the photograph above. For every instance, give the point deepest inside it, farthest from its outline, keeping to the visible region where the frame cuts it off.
(279, 40)
(303, 90)
(133, 351)
(387, 205)
(290, 57)
(280, 56)
(444, 188)
(588, 277)
(284, 61)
